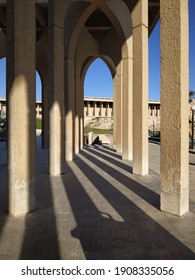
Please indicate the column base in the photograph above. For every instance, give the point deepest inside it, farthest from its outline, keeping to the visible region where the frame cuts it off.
(127, 156)
(140, 168)
(175, 204)
(22, 198)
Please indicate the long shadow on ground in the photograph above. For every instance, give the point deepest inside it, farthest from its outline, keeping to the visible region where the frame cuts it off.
(136, 236)
(40, 241)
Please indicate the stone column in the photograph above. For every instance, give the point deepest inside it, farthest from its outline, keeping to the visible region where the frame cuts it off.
(77, 117)
(152, 111)
(148, 110)
(101, 109)
(69, 108)
(21, 95)
(78, 114)
(88, 106)
(56, 90)
(115, 112)
(81, 117)
(155, 112)
(94, 108)
(158, 111)
(127, 100)
(174, 107)
(118, 110)
(107, 109)
(140, 88)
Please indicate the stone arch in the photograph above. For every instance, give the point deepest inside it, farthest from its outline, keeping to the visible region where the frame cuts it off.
(116, 13)
(79, 116)
(73, 24)
(42, 68)
(72, 32)
(89, 60)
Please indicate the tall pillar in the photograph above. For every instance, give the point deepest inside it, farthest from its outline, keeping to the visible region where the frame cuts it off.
(174, 107)
(127, 135)
(69, 109)
(78, 115)
(56, 90)
(21, 95)
(115, 112)
(118, 111)
(81, 118)
(140, 88)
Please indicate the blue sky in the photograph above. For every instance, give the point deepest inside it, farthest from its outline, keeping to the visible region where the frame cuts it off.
(98, 80)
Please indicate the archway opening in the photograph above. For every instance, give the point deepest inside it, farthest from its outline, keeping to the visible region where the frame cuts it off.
(3, 102)
(98, 100)
(3, 88)
(3, 127)
(39, 105)
(98, 80)
(154, 84)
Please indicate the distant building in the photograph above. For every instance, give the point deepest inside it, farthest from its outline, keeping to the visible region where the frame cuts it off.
(95, 107)
(38, 106)
(154, 108)
(3, 104)
(98, 107)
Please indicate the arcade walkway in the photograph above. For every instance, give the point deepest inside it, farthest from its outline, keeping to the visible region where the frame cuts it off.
(97, 210)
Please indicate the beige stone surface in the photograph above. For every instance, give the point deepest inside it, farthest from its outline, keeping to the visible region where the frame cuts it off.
(56, 110)
(140, 89)
(174, 123)
(127, 109)
(21, 92)
(118, 109)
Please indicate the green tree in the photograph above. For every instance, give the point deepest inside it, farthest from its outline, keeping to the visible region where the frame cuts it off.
(191, 95)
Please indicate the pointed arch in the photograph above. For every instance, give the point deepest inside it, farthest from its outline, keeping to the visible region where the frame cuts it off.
(120, 32)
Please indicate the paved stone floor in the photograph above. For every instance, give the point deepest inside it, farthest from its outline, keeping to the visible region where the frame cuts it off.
(97, 210)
